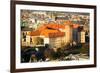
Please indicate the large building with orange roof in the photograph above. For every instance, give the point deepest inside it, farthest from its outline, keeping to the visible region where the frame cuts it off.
(53, 34)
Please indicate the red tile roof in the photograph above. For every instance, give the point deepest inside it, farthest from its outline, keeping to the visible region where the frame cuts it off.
(49, 30)
(52, 29)
(52, 33)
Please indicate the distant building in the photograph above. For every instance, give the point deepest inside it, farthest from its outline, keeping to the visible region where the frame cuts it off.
(25, 36)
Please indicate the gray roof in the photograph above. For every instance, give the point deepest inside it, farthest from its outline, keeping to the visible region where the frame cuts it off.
(27, 29)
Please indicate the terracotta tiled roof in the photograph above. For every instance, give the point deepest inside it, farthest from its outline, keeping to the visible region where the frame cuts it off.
(55, 26)
(49, 30)
(35, 33)
(52, 29)
(52, 33)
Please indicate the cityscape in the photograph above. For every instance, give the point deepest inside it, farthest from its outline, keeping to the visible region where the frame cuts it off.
(54, 36)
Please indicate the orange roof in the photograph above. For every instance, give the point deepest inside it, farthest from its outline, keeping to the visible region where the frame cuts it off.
(41, 28)
(49, 30)
(52, 29)
(55, 26)
(48, 33)
(35, 33)
(52, 33)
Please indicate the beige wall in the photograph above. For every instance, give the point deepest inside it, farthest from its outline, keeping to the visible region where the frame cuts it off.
(57, 42)
(68, 34)
(27, 43)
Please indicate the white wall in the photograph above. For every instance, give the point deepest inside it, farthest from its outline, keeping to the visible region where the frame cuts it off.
(5, 36)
